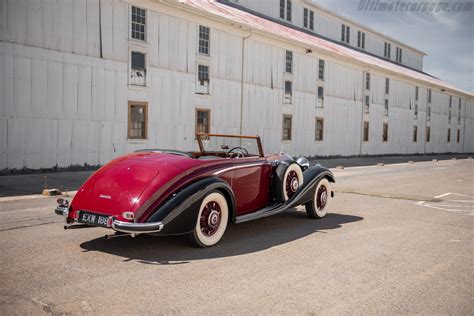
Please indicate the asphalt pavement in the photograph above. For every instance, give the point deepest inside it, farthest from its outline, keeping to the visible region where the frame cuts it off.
(379, 251)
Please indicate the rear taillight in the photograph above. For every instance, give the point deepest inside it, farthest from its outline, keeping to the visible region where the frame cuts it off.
(128, 215)
(62, 202)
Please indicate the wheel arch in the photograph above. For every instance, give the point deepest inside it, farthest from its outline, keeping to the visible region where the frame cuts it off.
(179, 212)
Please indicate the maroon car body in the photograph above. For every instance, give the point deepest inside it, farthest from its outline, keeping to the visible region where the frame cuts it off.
(162, 191)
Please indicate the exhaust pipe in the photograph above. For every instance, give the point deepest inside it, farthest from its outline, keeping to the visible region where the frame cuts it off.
(108, 237)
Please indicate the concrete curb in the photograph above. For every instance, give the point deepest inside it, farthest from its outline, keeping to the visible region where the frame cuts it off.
(35, 196)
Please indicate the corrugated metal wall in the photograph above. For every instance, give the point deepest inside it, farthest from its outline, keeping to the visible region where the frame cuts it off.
(63, 105)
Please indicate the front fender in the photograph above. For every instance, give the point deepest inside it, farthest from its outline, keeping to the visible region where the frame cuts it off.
(311, 178)
(179, 213)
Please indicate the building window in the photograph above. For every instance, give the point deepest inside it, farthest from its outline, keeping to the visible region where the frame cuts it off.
(367, 81)
(415, 133)
(416, 93)
(319, 129)
(289, 62)
(203, 121)
(366, 132)
(138, 23)
(203, 80)
(321, 70)
(308, 19)
(320, 93)
(288, 91)
(387, 49)
(386, 107)
(450, 101)
(385, 132)
(427, 134)
(203, 40)
(367, 104)
(361, 39)
(398, 56)
(345, 33)
(449, 135)
(458, 137)
(387, 86)
(429, 113)
(285, 7)
(137, 69)
(286, 132)
(429, 95)
(416, 110)
(137, 120)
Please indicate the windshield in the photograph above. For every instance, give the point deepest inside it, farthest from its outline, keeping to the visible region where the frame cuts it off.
(247, 145)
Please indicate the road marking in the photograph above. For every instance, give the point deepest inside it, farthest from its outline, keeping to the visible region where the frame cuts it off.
(440, 196)
(455, 206)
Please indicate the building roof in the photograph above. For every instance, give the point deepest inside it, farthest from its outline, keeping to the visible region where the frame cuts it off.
(359, 25)
(271, 28)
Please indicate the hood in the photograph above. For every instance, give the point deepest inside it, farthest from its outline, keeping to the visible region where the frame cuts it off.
(117, 187)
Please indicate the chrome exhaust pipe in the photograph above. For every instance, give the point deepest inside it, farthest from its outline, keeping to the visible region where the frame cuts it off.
(108, 237)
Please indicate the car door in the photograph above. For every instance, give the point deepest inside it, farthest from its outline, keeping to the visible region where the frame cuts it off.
(251, 178)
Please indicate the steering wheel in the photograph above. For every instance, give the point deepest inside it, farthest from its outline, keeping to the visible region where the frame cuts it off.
(239, 152)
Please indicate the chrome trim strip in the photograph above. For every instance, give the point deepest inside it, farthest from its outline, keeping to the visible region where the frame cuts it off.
(136, 228)
(238, 167)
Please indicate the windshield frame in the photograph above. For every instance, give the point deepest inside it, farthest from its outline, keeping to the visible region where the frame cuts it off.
(201, 136)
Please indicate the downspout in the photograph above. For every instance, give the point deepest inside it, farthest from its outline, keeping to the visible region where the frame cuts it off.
(242, 83)
(362, 112)
(100, 28)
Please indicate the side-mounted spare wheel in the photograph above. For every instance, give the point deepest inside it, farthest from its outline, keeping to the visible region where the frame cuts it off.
(211, 221)
(317, 208)
(288, 179)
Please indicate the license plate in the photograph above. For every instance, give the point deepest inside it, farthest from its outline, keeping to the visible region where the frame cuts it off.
(92, 219)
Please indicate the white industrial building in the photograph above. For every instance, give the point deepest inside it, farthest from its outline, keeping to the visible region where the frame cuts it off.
(84, 81)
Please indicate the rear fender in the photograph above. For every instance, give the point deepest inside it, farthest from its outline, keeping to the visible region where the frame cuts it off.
(179, 213)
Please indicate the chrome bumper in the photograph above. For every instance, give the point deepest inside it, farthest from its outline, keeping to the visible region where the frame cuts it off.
(119, 226)
(136, 228)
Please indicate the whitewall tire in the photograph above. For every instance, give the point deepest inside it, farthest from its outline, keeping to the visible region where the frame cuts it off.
(211, 221)
(318, 207)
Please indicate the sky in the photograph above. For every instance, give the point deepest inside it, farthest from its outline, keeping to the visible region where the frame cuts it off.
(446, 36)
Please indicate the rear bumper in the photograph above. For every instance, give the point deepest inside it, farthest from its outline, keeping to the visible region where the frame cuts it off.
(119, 226)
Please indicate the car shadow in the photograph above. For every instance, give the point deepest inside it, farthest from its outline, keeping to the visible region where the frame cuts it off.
(239, 239)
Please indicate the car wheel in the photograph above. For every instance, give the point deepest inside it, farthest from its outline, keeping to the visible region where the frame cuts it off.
(317, 208)
(211, 221)
(289, 179)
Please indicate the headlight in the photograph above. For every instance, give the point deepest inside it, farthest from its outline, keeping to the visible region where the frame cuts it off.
(303, 163)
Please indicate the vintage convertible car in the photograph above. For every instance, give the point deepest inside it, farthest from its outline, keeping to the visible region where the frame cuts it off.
(168, 192)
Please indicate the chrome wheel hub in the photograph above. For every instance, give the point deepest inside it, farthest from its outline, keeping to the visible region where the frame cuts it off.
(213, 219)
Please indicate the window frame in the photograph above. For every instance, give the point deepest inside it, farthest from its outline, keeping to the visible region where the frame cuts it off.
(365, 132)
(205, 110)
(137, 49)
(385, 132)
(415, 134)
(321, 134)
(387, 86)
(458, 136)
(449, 135)
(204, 40)
(288, 97)
(286, 116)
(321, 69)
(427, 134)
(130, 25)
(367, 81)
(321, 96)
(289, 61)
(129, 120)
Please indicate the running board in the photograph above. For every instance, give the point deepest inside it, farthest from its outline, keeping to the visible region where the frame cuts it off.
(264, 212)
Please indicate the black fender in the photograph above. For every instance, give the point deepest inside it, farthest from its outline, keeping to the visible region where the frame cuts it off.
(311, 178)
(179, 213)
